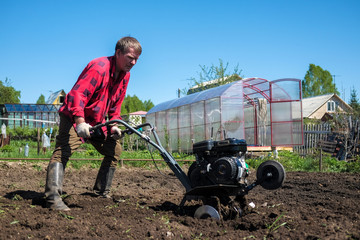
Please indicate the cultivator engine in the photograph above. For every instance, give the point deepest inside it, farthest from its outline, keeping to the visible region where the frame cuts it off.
(218, 177)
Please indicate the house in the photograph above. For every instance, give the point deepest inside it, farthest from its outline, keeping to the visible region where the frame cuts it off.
(323, 106)
(31, 115)
(138, 117)
(57, 97)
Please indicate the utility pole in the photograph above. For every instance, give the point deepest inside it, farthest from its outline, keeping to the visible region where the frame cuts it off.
(333, 76)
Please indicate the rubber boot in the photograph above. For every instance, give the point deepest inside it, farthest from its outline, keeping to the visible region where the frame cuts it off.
(103, 181)
(53, 187)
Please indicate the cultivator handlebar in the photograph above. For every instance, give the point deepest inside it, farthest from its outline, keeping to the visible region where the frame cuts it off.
(168, 158)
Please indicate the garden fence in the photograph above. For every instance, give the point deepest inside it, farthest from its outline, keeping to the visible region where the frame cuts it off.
(313, 133)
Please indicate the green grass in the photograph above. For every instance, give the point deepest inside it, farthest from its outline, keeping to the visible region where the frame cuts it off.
(293, 162)
(86, 151)
(290, 160)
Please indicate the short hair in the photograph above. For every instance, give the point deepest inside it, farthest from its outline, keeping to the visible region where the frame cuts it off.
(128, 42)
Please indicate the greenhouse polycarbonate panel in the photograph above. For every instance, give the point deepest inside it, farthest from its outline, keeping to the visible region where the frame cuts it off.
(197, 113)
(213, 131)
(161, 121)
(286, 112)
(249, 136)
(150, 118)
(212, 111)
(184, 116)
(296, 109)
(172, 127)
(192, 98)
(52, 108)
(280, 134)
(184, 139)
(249, 114)
(173, 140)
(285, 89)
(264, 135)
(27, 108)
(256, 88)
(282, 111)
(212, 118)
(197, 121)
(9, 107)
(184, 128)
(235, 91)
(161, 125)
(172, 122)
(19, 108)
(233, 117)
(199, 133)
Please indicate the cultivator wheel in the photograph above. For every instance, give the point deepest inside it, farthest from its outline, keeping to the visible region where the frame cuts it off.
(270, 175)
(224, 208)
(207, 211)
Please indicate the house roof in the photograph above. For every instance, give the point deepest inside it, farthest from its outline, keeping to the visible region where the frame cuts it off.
(138, 113)
(312, 104)
(53, 96)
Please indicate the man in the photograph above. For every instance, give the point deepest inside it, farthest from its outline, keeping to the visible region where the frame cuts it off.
(97, 94)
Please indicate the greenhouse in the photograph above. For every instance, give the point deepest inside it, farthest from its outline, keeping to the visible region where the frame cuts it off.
(30, 115)
(264, 113)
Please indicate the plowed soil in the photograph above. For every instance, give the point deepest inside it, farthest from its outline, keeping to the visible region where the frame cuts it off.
(145, 206)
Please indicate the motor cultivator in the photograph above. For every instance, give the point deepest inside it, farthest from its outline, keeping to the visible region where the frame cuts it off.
(218, 177)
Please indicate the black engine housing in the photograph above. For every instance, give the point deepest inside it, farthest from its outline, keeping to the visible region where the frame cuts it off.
(218, 162)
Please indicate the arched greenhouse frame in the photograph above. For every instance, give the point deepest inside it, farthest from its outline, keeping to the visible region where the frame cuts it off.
(264, 113)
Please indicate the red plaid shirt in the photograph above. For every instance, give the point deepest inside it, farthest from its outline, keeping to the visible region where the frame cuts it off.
(96, 94)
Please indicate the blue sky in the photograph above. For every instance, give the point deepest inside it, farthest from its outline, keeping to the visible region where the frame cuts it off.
(44, 45)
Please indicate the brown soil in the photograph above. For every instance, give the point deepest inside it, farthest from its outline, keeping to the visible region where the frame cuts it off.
(308, 206)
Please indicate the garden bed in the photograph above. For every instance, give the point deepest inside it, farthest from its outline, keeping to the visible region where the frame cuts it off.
(145, 206)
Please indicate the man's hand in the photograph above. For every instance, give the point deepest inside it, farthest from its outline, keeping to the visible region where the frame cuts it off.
(83, 130)
(115, 132)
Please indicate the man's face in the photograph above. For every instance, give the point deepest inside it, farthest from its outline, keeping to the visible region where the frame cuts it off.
(124, 62)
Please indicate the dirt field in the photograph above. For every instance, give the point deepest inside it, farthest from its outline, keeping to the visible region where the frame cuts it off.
(309, 206)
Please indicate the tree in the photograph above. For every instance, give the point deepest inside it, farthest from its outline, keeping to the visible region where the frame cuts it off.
(41, 100)
(211, 77)
(133, 104)
(148, 104)
(8, 94)
(354, 102)
(318, 82)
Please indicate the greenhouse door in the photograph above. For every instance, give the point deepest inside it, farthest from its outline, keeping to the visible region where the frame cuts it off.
(286, 112)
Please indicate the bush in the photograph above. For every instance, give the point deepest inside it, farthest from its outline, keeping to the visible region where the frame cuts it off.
(7, 149)
(30, 134)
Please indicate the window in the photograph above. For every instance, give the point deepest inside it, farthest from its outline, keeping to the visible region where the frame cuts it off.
(331, 106)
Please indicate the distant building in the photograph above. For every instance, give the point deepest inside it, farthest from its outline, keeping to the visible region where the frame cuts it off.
(57, 97)
(30, 115)
(323, 106)
(138, 117)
